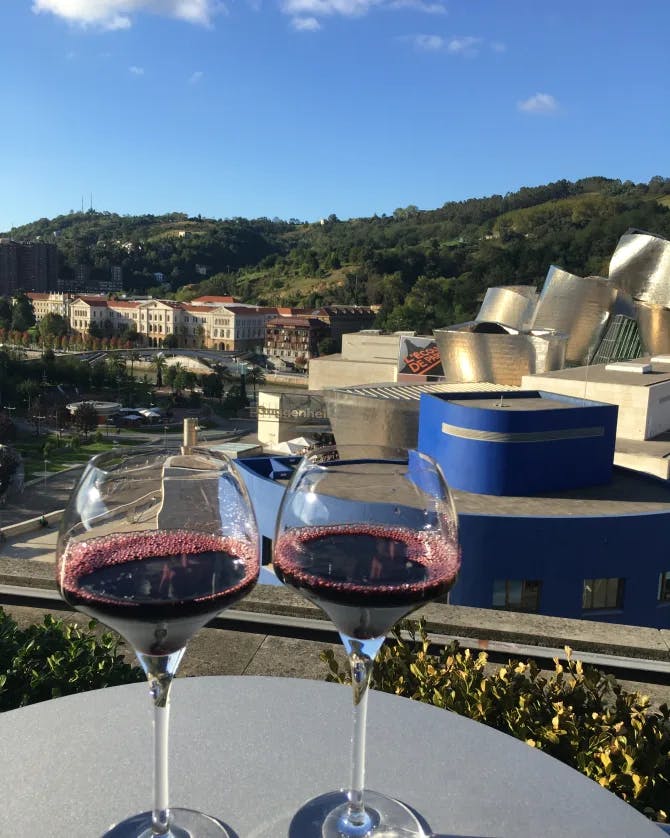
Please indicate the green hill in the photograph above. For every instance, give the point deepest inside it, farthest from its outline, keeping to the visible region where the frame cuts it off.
(424, 268)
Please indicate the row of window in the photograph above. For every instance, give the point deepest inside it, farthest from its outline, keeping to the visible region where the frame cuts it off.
(597, 594)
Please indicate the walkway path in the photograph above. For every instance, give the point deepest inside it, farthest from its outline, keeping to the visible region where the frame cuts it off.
(41, 497)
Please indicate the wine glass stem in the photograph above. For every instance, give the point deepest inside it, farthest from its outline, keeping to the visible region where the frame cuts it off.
(361, 669)
(160, 671)
(160, 818)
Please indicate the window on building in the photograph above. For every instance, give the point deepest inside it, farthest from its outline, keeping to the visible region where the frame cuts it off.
(517, 594)
(602, 593)
(664, 587)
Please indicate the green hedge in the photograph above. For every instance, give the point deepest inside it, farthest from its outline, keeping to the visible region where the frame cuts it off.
(57, 658)
(579, 715)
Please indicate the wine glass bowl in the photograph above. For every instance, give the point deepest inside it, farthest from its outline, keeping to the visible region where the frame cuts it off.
(154, 543)
(369, 534)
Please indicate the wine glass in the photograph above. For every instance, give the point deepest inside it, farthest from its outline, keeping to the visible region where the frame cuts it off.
(154, 543)
(368, 534)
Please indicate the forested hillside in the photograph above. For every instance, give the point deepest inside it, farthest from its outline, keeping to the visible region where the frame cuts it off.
(425, 268)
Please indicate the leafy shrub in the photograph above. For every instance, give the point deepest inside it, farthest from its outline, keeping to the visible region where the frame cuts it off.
(578, 715)
(57, 658)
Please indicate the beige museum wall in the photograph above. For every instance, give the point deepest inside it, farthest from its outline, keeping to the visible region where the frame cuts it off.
(637, 418)
(336, 371)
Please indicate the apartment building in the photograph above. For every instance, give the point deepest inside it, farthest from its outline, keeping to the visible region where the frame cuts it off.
(86, 310)
(156, 319)
(27, 266)
(204, 323)
(194, 321)
(50, 303)
(291, 338)
(343, 320)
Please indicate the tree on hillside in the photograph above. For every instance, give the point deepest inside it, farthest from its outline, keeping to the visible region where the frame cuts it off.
(52, 326)
(5, 314)
(94, 329)
(134, 356)
(159, 363)
(62, 417)
(85, 418)
(171, 374)
(116, 366)
(327, 346)
(212, 387)
(255, 376)
(98, 374)
(23, 316)
(28, 390)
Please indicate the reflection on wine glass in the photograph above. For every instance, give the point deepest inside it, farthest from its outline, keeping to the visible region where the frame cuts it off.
(155, 543)
(368, 534)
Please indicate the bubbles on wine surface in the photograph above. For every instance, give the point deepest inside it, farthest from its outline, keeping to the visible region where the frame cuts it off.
(157, 587)
(350, 562)
(152, 567)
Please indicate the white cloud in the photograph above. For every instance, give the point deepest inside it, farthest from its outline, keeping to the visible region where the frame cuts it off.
(136, 71)
(498, 46)
(306, 14)
(194, 78)
(467, 46)
(118, 14)
(322, 8)
(539, 103)
(305, 24)
(419, 6)
(428, 43)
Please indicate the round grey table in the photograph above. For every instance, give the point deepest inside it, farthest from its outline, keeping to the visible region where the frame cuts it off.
(251, 751)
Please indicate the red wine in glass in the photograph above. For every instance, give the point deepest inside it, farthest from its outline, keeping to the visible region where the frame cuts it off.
(157, 587)
(366, 577)
(154, 543)
(369, 534)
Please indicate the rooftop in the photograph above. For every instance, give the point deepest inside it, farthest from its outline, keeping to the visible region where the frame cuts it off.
(413, 392)
(516, 404)
(599, 374)
(628, 493)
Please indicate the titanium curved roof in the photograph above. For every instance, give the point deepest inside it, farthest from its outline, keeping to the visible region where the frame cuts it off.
(469, 356)
(511, 305)
(577, 306)
(640, 265)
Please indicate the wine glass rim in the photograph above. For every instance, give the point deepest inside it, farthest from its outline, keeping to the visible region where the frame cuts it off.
(157, 450)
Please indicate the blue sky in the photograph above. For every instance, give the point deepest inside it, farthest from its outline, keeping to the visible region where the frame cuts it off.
(302, 108)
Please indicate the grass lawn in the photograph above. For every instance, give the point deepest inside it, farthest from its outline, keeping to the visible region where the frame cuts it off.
(61, 457)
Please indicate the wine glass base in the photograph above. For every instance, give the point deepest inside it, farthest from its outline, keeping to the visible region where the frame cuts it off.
(326, 817)
(184, 823)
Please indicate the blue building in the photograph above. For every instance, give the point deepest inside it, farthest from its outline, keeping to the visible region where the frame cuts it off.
(547, 524)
